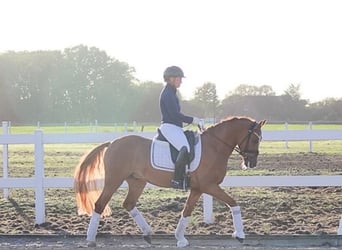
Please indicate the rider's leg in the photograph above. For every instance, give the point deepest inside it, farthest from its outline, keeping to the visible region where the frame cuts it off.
(175, 135)
(181, 162)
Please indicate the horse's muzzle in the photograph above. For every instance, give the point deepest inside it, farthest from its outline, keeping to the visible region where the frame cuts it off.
(250, 159)
(250, 163)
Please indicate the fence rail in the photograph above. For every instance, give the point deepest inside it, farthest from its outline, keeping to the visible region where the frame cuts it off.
(39, 182)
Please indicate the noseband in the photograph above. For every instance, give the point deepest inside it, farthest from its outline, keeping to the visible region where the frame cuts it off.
(244, 152)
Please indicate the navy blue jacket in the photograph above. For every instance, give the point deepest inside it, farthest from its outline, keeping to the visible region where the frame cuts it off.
(170, 108)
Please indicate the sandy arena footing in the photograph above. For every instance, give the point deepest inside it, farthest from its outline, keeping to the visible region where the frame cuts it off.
(107, 241)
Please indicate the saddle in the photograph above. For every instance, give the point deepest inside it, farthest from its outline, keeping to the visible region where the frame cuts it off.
(164, 156)
(192, 140)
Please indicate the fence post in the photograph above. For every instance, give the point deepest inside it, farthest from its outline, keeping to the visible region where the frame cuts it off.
(134, 126)
(39, 176)
(310, 142)
(339, 230)
(208, 209)
(286, 128)
(5, 157)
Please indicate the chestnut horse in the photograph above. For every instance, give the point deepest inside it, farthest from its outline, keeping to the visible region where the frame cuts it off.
(128, 159)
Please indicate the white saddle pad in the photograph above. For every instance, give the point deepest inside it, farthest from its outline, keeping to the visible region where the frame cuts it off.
(161, 156)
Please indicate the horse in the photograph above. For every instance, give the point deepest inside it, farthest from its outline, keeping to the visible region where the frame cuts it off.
(127, 158)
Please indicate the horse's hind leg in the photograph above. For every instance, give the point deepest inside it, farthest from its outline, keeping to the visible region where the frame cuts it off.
(100, 205)
(221, 195)
(135, 189)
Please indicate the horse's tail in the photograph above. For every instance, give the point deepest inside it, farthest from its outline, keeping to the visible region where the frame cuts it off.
(89, 180)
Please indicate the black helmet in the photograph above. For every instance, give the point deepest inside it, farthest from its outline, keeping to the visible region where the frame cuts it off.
(173, 71)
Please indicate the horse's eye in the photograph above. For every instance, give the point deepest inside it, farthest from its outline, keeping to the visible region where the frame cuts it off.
(255, 141)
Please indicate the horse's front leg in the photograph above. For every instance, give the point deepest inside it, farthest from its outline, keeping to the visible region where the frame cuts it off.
(184, 220)
(221, 195)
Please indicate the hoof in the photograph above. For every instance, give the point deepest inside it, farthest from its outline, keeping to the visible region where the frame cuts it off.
(239, 239)
(183, 243)
(148, 239)
(239, 236)
(91, 244)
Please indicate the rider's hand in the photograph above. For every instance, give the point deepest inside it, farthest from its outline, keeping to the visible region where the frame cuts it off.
(201, 124)
(198, 122)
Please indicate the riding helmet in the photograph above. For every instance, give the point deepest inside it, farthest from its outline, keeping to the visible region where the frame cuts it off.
(173, 71)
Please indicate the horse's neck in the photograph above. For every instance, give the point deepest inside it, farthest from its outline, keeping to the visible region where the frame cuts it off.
(215, 151)
(221, 141)
(230, 133)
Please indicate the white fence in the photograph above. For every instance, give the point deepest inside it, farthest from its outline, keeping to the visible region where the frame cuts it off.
(39, 182)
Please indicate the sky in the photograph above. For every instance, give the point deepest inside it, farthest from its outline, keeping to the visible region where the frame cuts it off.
(228, 43)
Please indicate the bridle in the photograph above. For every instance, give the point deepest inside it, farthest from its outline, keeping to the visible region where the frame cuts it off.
(245, 152)
(251, 132)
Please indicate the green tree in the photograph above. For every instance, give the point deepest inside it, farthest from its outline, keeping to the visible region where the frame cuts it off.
(145, 102)
(99, 87)
(251, 90)
(293, 90)
(8, 104)
(266, 90)
(80, 84)
(207, 100)
(27, 79)
(115, 92)
(85, 65)
(329, 109)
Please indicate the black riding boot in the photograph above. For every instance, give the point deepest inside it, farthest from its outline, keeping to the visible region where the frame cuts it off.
(182, 160)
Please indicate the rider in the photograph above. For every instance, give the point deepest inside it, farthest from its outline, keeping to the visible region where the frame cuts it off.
(172, 122)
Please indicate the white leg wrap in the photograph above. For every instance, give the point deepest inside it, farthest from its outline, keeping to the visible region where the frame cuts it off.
(237, 222)
(180, 231)
(93, 225)
(339, 230)
(140, 221)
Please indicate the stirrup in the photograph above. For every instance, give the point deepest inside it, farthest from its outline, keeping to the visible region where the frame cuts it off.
(177, 184)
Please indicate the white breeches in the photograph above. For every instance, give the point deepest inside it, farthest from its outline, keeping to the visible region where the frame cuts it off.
(175, 135)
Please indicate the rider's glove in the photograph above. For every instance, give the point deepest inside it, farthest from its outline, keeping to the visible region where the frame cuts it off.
(199, 122)
(196, 121)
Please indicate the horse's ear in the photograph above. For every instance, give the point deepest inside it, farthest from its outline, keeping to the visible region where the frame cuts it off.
(262, 123)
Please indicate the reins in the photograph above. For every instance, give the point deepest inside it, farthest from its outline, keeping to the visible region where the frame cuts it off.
(235, 148)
